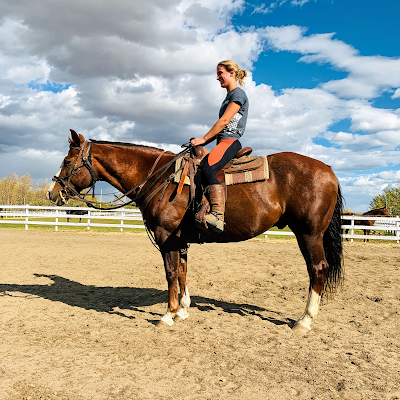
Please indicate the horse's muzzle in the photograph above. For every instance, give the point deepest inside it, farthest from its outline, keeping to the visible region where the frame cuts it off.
(59, 200)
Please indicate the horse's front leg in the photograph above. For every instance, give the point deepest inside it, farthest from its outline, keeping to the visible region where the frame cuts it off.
(183, 310)
(171, 265)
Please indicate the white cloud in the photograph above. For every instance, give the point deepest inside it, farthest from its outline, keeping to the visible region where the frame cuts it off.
(42, 163)
(32, 70)
(363, 188)
(368, 75)
(4, 101)
(369, 119)
(382, 140)
(299, 2)
(263, 9)
(291, 119)
(209, 15)
(396, 94)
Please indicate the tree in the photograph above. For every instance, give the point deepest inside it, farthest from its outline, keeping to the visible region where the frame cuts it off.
(8, 190)
(19, 191)
(390, 198)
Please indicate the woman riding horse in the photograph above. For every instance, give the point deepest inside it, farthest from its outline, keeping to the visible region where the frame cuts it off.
(301, 192)
(227, 130)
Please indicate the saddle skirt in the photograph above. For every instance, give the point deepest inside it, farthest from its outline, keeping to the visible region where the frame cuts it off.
(245, 169)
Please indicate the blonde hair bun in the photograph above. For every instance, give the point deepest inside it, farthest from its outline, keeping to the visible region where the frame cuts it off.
(240, 74)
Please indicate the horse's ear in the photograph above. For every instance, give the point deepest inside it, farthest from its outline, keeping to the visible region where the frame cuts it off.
(76, 139)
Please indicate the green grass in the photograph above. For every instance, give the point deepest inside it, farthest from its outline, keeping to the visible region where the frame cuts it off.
(64, 228)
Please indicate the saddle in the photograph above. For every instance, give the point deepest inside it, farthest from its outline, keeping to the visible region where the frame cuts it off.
(243, 168)
(239, 163)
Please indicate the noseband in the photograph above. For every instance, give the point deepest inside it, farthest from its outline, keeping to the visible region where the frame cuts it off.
(85, 156)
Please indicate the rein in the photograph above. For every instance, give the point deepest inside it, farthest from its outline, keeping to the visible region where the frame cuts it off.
(87, 163)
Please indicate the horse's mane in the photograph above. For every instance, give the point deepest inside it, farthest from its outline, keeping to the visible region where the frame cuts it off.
(124, 144)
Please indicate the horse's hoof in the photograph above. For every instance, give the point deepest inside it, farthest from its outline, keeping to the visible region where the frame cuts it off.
(298, 328)
(162, 325)
(178, 319)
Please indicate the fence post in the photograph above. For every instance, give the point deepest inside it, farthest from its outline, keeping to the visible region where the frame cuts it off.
(398, 232)
(26, 217)
(122, 220)
(352, 229)
(56, 225)
(88, 220)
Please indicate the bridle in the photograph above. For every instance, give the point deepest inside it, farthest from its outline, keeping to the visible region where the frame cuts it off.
(85, 157)
(85, 160)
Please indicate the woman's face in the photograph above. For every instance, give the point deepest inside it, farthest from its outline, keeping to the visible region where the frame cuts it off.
(225, 77)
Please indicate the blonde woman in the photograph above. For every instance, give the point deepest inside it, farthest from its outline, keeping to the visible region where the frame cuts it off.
(227, 130)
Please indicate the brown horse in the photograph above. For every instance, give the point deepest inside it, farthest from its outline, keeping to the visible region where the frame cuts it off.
(76, 212)
(301, 192)
(384, 212)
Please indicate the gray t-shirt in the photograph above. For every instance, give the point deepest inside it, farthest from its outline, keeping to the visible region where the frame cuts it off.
(235, 128)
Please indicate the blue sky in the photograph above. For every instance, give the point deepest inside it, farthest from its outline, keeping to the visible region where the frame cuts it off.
(324, 80)
(369, 26)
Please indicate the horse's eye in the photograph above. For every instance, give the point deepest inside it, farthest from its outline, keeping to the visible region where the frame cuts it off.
(66, 163)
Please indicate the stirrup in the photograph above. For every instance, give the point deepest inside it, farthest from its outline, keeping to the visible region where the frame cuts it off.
(217, 225)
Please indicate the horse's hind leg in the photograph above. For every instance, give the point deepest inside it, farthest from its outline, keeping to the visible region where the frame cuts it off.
(183, 310)
(313, 252)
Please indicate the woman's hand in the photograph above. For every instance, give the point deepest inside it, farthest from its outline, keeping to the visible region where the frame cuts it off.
(197, 141)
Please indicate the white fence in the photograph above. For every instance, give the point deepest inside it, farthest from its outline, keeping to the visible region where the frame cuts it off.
(34, 215)
(125, 218)
(388, 225)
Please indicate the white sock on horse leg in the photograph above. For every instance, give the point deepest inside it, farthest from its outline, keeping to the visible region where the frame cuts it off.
(184, 305)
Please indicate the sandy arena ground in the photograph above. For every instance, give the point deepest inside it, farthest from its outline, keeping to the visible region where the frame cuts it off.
(78, 314)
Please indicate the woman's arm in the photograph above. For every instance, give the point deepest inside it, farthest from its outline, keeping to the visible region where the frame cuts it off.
(230, 111)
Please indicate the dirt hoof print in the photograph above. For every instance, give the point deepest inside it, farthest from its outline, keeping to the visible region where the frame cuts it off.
(301, 329)
(162, 325)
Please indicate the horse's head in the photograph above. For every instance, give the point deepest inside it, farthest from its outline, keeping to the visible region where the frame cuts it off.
(385, 212)
(75, 173)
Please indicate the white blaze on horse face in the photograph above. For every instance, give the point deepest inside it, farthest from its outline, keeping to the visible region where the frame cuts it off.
(184, 306)
(51, 187)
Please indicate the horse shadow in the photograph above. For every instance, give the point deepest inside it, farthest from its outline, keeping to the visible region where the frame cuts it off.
(113, 299)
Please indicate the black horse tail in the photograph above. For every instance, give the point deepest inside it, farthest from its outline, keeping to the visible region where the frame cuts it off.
(333, 247)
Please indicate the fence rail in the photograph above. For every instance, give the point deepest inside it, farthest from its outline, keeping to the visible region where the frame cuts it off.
(388, 225)
(33, 215)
